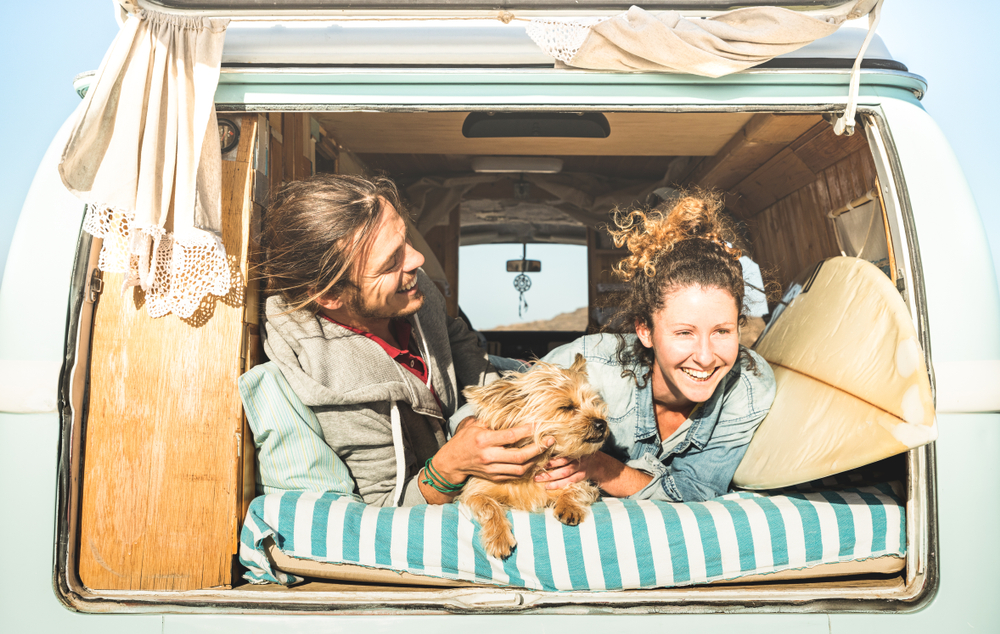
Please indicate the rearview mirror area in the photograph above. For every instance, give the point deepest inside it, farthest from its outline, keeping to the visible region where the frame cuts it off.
(524, 266)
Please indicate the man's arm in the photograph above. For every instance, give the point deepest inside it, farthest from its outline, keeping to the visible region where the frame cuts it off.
(472, 365)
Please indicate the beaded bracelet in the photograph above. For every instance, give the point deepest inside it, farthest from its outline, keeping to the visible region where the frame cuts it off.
(437, 481)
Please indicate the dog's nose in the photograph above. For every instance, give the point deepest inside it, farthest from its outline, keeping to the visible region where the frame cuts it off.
(600, 425)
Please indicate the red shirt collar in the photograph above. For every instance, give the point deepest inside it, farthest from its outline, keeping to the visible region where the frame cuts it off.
(403, 332)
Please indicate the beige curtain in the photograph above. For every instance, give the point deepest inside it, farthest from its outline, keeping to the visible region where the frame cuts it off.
(726, 43)
(145, 156)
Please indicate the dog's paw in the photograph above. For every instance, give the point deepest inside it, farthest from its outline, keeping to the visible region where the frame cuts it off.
(495, 531)
(569, 512)
(500, 545)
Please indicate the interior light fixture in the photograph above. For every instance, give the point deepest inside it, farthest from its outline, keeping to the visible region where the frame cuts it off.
(516, 164)
(581, 125)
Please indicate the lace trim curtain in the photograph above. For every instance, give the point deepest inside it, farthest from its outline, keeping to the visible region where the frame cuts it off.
(726, 43)
(145, 156)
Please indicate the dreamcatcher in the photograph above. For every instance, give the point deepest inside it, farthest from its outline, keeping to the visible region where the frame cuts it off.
(522, 282)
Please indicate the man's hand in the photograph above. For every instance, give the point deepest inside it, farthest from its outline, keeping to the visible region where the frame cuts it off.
(477, 451)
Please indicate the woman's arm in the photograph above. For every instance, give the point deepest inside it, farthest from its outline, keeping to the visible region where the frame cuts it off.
(702, 475)
(692, 476)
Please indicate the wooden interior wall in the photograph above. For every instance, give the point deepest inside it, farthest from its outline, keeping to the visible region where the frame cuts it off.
(289, 158)
(794, 233)
(290, 151)
(601, 259)
(781, 174)
(163, 476)
(444, 242)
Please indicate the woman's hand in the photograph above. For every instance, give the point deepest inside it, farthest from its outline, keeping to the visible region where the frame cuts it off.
(562, 472)
(611, 475)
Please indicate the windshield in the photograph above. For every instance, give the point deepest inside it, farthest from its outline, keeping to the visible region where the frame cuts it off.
(556, 300)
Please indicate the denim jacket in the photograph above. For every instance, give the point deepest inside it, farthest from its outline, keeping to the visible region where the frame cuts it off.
(702, 465)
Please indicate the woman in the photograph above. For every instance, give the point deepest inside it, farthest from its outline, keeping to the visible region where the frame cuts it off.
(683, 396)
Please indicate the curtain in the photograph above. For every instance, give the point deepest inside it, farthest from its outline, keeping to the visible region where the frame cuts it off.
(145, 156)
(726, 43)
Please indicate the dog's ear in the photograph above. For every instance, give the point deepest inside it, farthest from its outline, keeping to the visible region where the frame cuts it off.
(492, 402)
(579, 364)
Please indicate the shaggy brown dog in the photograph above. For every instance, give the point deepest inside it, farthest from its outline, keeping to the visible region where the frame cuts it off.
(561, 405)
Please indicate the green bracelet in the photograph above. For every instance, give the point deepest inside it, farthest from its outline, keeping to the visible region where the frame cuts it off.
(437, 481)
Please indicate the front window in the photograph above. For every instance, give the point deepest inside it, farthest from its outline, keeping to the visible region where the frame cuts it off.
(556, 299)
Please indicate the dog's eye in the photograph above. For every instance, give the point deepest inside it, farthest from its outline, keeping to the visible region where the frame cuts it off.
(568, 408)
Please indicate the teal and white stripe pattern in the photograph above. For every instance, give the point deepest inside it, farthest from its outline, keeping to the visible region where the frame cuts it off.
(623, 544)
(291, 451)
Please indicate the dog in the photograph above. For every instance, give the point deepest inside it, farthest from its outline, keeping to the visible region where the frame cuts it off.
(561, 405)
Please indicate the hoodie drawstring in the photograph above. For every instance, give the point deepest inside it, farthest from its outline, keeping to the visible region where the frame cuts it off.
(397, 443)
(397, 423)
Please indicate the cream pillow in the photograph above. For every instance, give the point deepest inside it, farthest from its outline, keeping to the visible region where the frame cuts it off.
(852, 386)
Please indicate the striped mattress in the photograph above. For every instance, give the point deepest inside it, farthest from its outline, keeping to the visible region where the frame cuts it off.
(622, 545)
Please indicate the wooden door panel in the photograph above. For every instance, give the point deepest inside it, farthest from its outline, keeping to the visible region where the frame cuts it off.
(162, 459)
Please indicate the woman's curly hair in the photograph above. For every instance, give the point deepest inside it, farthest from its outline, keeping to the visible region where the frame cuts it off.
(686, 241)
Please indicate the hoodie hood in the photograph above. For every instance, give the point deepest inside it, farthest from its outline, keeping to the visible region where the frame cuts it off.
(327, 364)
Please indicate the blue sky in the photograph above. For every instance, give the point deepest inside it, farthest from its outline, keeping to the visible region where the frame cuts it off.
(45, 44)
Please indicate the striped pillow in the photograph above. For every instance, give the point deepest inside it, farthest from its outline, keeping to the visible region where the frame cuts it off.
(291, 452)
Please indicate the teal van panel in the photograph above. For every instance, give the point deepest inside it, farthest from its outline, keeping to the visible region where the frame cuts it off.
(548, 88)
(963, 305)
(968, 479)
(35, 289)
(29, 446)
(503, 624)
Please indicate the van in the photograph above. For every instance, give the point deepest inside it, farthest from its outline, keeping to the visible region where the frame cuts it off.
(137, 464)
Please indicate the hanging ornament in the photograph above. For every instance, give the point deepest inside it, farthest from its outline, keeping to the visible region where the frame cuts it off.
(522, 282)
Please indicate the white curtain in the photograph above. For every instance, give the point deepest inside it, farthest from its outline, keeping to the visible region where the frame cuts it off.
(145, 156)
(726, 43)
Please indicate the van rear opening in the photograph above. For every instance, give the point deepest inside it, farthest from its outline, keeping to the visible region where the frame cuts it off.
(145, 520)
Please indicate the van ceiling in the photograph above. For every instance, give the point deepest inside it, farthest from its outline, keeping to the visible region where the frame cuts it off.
(632, 134)
(757, 158)
(641, 145)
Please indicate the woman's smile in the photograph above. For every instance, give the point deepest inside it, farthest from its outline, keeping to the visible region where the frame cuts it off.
(699, 375)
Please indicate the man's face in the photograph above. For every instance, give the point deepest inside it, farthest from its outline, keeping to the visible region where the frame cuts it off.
(387, 280)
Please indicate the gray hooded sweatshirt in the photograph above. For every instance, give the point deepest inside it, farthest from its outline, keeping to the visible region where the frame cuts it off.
(379, 418)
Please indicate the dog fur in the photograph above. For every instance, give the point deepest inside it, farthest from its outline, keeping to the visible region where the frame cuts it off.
(561, 405)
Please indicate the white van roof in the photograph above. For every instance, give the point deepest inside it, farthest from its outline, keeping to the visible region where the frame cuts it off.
(463, 43)
(849, 8)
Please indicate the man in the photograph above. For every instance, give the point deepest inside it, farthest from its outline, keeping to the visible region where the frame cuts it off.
(361, 335)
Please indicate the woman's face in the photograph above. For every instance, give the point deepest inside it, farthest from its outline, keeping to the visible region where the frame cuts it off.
(695, 340)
